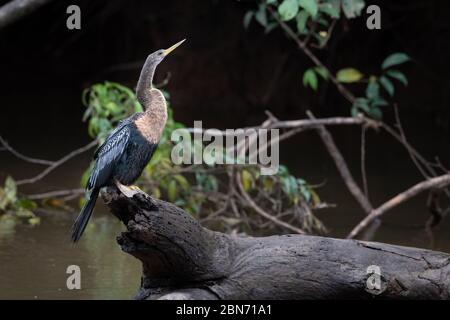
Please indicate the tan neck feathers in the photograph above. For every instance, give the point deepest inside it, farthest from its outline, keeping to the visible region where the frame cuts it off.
(151, 123)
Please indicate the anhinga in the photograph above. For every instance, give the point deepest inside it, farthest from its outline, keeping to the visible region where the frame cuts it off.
(126, 151)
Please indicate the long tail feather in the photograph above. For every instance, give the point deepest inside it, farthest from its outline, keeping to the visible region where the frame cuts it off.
(83, 217)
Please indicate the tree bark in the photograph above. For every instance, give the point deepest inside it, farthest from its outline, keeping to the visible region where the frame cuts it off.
(183, 260)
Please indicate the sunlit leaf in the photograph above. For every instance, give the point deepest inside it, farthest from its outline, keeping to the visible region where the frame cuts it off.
(156, 192)
(34, 221)
(26, 204)
(247, 180)
(349, 75)
(172, 192)
(10, 189)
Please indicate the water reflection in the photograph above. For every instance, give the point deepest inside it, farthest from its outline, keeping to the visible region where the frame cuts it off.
(33, 261)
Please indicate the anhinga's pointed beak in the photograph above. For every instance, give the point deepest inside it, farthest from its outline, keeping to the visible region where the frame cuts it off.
(169, 50)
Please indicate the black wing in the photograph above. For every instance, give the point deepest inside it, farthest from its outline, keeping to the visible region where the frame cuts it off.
(108, 155)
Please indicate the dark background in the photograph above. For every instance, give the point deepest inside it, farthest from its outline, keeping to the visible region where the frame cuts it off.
(223, 74)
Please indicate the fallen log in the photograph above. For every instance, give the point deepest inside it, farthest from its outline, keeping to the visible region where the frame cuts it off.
(183, 260)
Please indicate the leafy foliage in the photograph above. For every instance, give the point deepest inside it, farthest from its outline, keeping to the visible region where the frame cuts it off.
(200, 189)
(374, 100)
(13, 206)
(312, 21)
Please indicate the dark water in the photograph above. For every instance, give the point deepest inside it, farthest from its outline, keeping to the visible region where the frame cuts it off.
(34, 261)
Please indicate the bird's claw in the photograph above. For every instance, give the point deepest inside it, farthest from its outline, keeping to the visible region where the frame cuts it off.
(128, 191)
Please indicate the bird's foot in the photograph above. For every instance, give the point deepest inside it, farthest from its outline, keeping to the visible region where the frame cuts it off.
(128, 191)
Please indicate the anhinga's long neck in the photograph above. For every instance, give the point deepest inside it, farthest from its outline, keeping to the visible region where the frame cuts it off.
(145, 82)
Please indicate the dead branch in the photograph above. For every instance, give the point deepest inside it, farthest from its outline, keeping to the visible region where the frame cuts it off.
(434, 183)
(263, 213)
(57, 163)
(17, 9)
(21, 156)
(303, 47)
(183, 260)
(342, 167)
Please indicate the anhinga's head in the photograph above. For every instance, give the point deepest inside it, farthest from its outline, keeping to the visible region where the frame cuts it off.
(147, 72)
(159, 55)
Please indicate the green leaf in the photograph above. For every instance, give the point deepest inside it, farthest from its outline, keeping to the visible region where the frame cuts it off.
(156, 192)
(352, 8)
(290, 188)
(379, 103)
(24, 213)
(330, 9)
(270, 27)
(184, 184)
(349, 75)
(387, 85)
(375, 113)
(361, 103)
(34, 221)
(288, 9)
(395, 59)
(248, 18)
(172, 192)
(268, 184)
(26, 204)
(302, 18)
(261, 15)
(310, 79)
(322, 72)
(354, 111)
(373, 90)
(398, 75)
(247, 180)
(309, 5)
(10, 189)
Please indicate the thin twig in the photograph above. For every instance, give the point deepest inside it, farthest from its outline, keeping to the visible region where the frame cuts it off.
(302, 46)
(14, 10)
(403, 136)
(305, 124)
(57, 163)
(363, 162)
(342, 167)
(20, 156)
(437, 182)
(55, 194)
(261, 212)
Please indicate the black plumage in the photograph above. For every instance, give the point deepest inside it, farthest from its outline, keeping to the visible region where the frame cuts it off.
(126, 151)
